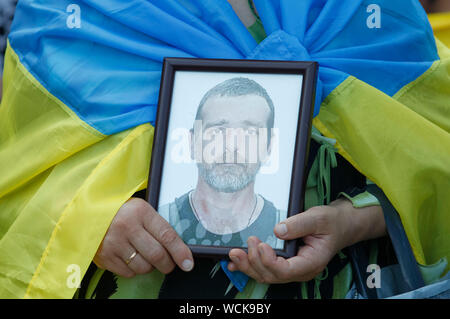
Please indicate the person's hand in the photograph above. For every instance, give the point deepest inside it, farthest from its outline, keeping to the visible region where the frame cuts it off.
(137, 227)
(324, 230)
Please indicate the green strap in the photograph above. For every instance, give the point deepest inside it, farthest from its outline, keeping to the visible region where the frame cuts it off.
(362, 200)
(318, 191)
(432, 273)
(253, 290)
(214, 270)
(257, 31)
(322, 276)
(139, 287)
(327, 159)
(342, 282)
(93, 283)
(318, 184)
(304, 290)
(252, 7)
(373, 254)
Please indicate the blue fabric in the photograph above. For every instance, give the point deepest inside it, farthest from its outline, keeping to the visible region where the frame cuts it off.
(239, 279)
(108, 71)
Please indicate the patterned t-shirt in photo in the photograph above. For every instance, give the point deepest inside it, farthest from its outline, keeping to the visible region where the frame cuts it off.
(181, 216)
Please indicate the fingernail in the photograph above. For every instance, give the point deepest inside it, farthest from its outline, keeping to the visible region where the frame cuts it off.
(281, 229)
(251, 241)
(261, 249)
(234, 259)
(187, 264)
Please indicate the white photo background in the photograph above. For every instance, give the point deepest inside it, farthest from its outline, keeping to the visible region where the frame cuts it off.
(273, 180)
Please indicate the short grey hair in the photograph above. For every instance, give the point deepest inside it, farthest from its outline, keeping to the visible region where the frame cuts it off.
(238, 86)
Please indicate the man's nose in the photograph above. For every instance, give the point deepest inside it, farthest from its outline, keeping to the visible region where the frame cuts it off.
(235, 145)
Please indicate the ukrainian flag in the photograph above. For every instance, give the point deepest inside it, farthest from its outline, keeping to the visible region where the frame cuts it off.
(81, 85)
(441, 26)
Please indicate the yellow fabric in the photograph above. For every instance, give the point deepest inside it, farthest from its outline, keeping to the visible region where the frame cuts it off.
(59, 187)
(403, 145)
(440, 22)
(432, 89)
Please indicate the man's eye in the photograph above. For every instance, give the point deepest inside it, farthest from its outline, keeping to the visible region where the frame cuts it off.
(217, 130)
(252, 131)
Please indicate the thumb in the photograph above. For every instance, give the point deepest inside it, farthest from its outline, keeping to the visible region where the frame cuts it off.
(298, 226)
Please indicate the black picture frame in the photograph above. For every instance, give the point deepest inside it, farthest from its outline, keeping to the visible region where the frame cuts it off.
(307, 69)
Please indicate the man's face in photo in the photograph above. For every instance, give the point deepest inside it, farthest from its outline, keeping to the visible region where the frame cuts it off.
(237, 125)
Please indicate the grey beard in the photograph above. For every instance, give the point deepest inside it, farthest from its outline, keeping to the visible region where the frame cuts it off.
(228, 178)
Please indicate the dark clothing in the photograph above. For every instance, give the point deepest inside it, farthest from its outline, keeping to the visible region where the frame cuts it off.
(7, 9)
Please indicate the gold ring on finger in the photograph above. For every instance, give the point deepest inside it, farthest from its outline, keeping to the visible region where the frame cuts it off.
(131, 257)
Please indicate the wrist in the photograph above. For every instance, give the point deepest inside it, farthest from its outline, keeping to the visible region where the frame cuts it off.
(359, 224)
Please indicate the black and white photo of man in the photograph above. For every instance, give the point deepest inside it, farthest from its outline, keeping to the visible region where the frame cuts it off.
(230, 140)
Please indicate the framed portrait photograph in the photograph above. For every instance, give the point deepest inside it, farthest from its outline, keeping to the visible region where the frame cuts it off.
(230, 150)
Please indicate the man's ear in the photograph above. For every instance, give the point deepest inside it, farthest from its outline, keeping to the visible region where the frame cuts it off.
(196, 141)
(192, 143)
(267, 154)
(269, 147)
